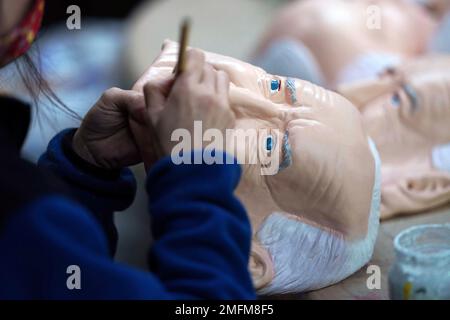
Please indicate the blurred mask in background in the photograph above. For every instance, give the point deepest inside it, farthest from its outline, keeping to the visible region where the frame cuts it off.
(407, 113)
(340, 41)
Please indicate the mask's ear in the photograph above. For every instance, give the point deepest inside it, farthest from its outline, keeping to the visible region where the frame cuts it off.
(414, 193)
(361, 93)
(260, 266)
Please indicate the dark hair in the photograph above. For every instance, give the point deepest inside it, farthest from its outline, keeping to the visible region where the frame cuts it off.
(36, 85)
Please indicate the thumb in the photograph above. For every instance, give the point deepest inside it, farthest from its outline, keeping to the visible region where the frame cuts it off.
(127, 102)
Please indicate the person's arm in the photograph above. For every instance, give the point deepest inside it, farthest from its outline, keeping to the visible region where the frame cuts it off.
(40, 244)
(54, 249)
(201, 230)
(93, 159)
(101, 191)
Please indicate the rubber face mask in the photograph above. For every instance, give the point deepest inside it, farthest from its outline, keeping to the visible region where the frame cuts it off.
(324, 176)
(322, 26)
(16, 42)
(407, 113)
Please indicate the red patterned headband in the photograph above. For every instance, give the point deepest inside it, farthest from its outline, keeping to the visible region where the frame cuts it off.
(17, 42)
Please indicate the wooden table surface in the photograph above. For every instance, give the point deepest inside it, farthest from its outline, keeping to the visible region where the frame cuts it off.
(354, 287)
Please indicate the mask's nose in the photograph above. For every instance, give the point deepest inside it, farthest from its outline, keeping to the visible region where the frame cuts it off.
(361, 93)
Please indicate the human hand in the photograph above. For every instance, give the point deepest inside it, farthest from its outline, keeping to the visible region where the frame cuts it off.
(104, 138)
(200, 93)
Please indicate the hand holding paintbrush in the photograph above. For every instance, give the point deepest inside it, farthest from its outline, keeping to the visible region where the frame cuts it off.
(194, 92)
(155, 150)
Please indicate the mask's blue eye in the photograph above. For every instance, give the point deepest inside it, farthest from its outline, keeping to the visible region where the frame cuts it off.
(269, 143)
(395, 100)
(275, 85)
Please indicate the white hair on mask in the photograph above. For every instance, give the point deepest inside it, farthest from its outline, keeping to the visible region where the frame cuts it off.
(306, 257)
(441, 157)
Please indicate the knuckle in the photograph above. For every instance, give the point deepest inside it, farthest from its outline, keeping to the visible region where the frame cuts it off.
(149, 88)
(220, 103)
(190, 54)
(182, 80)
(223, 75)
(224, 105)
(114, 90)
(207, 69)
(206, 100)
(109, 94)
(199, 54)
(187, 84)
(185, 87)
(196, 54)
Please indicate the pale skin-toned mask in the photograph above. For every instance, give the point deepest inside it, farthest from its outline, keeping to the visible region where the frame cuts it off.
(337, 32)
(327, 179)
(407, 113)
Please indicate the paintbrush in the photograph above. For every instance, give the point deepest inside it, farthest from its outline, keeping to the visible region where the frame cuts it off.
(184, 39)
(179, 68)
